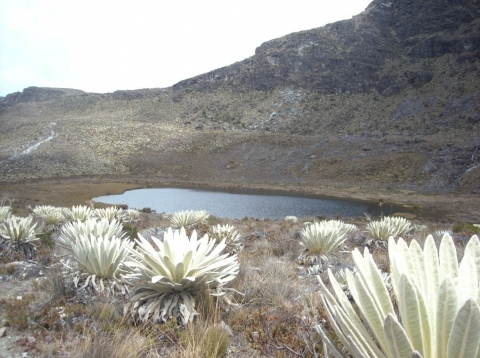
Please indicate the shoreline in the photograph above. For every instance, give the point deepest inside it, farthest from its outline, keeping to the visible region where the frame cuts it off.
(452, 206)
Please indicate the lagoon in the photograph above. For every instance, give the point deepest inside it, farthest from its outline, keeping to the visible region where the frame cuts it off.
(241, 203)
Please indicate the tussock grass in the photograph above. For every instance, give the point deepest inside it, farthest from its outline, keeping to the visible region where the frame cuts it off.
(205, 340)
(121, 343)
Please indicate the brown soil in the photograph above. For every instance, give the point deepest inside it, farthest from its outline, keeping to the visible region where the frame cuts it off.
(450, 206)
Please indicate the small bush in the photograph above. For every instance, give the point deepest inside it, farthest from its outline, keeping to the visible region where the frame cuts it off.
(466, 228)
(17, 311)
(46, 240)
(105, 315)
(131, 231)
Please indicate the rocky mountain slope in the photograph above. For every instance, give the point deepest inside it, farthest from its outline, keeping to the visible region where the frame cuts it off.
(388, 98)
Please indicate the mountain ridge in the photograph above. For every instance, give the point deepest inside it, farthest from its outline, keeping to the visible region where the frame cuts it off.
(388, 98)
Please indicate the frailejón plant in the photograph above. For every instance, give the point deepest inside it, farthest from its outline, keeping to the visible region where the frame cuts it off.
(101, 258)
(78, 213)
(19, 229)
(111, 213)
(132, 215)
(102, 227)
(435, 312)
(17, 236)
(325, 236)
(321, 239)
(5, 212)
(188, 218)
(226, 233)
(51, 217)
(169, 279)
(389, 226)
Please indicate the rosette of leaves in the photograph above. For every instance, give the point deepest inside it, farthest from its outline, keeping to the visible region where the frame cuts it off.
(389, 226)
(169, 279)
(188, 218)
(5, 212)
(226, 233)
(111, 213)
(17, 237)
(321, 239)
(102, 227)
(51, 217)
(99, 258)
(435, 312)
(78, 213)
(132, 215)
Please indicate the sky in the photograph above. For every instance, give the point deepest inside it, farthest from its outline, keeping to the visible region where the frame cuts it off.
(107, 45)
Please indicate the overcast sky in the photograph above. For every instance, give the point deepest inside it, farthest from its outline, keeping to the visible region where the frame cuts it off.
(103, 45)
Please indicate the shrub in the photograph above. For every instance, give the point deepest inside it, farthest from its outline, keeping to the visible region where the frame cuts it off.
(463, 227)
(435, 311)
(17, 311)
(131, 231)
(169, 279)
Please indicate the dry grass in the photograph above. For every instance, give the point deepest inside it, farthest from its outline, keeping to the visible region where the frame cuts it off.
(120, 343)
(205, 340)
(273, 316)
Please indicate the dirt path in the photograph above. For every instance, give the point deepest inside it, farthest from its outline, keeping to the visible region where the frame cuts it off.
(66, 192)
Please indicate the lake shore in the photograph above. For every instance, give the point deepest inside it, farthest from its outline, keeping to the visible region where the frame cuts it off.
(451, 206)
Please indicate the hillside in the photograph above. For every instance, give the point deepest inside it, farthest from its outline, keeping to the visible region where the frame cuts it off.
(389, 98)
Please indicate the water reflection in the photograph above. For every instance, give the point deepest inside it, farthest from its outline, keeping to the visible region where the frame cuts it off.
(240, 203)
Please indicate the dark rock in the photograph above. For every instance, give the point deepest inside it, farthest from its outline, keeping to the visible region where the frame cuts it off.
(157, 232)
(418, 79)
(412, 106)
(430, 167)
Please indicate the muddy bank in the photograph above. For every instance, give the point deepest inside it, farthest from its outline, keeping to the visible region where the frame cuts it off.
(451, 206)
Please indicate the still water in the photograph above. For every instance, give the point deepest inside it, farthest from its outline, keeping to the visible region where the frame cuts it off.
(240, 203)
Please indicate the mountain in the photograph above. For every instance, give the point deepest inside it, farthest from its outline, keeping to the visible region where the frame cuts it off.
(389, 98)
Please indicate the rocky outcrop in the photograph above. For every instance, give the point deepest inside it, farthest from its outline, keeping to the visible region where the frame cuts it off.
(37, 94)
(350, 56)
